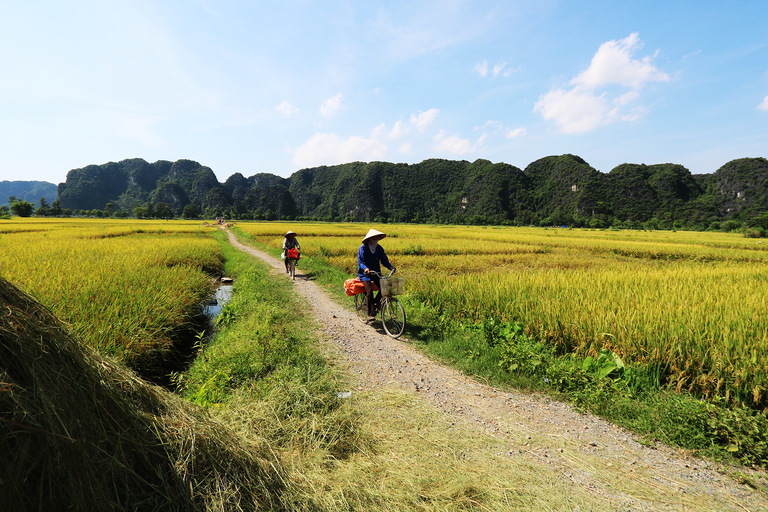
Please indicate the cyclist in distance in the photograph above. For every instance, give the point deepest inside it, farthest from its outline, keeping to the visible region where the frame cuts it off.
(289, 242)
(370, 257)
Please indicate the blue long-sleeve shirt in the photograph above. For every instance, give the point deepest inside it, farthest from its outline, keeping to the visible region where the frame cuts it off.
(371, 261)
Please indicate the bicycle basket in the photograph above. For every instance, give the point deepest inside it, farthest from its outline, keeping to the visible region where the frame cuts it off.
(391, 286)
(293, 254)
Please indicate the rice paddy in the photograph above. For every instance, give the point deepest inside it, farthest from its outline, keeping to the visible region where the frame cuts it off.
(689, 302)
(123, 286)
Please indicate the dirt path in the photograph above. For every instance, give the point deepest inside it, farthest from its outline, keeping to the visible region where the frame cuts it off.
(592, 453)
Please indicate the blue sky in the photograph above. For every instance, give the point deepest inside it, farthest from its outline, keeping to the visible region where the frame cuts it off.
(276, 86)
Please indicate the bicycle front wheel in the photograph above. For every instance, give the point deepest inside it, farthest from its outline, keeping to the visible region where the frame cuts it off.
(393, 316)
(292, 268)
(361, 307)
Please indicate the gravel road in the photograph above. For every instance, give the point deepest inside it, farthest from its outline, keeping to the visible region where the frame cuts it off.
(592, 453)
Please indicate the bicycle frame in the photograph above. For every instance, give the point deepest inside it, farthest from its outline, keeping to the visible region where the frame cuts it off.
(390, 308)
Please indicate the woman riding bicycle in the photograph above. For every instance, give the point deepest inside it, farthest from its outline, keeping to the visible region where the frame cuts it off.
(370, 257)
(289, 242)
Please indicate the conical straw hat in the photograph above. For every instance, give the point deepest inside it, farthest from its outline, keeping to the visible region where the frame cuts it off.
(372, 233)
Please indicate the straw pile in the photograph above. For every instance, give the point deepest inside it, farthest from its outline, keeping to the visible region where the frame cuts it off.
(81, 432)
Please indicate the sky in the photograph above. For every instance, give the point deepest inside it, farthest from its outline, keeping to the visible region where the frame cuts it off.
(254, 86)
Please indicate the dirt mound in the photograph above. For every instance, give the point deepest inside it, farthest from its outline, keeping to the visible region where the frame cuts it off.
(80, 431)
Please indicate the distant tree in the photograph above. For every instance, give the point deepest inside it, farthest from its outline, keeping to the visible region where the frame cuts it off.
(190, 212)
(761, 221)
(109, 209)
(56, 210)
(140, 212)
(163, 211)
(21, 208)
(5, 212)
(43, 210)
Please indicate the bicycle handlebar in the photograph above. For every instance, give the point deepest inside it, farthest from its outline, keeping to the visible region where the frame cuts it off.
(381, 275)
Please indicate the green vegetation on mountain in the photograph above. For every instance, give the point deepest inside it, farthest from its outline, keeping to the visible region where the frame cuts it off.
(30, 191)
(554, 190)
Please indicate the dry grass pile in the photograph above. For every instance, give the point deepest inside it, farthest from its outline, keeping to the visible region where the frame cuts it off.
(79, 431)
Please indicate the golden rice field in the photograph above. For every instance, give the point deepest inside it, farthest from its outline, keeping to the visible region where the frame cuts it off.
(124, 286)
(695, 303)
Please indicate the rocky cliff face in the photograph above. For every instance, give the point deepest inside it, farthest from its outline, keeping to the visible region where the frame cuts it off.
(558, 189)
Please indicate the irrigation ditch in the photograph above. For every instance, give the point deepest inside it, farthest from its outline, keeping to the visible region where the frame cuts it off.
(188, 339)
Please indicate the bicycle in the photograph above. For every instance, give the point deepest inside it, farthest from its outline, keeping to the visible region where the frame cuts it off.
(391, 309)
(291, 258)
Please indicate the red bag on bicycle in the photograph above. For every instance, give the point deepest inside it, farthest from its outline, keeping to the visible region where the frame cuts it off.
(293, 254)
(353, 286)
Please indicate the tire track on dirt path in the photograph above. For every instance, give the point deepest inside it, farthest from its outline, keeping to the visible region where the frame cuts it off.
(598, 456)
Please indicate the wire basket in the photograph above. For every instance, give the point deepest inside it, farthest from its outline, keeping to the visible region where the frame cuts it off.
(390, 286)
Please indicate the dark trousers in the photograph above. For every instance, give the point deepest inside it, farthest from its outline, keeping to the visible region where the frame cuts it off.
(370, 300)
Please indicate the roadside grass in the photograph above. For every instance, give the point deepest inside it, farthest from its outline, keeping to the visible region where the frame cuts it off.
(266, 376)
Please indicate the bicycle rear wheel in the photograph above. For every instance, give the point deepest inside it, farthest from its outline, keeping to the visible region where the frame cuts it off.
(361, 307)
(392, 316)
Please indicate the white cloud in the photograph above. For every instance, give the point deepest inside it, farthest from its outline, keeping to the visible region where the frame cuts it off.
(513, 133)
(764, 104)
(574, 111)
(400, 129)
(481, 68)
(286, 109)
(418, 122)
(497, 125)
(379, 131)
(331, 149)
(454, 144)
(424, 119)
(626, 98)
(613, 64)
(405, 148)
(331, 105)
(584, 108)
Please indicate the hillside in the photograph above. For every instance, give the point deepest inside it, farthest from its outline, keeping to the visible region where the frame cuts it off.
(30, 191)
(555, 190)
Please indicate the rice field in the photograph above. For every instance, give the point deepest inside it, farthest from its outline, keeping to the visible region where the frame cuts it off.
(690, 302)
(124, 286)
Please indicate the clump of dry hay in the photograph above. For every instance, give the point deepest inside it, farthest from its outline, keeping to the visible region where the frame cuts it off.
(79, 431)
